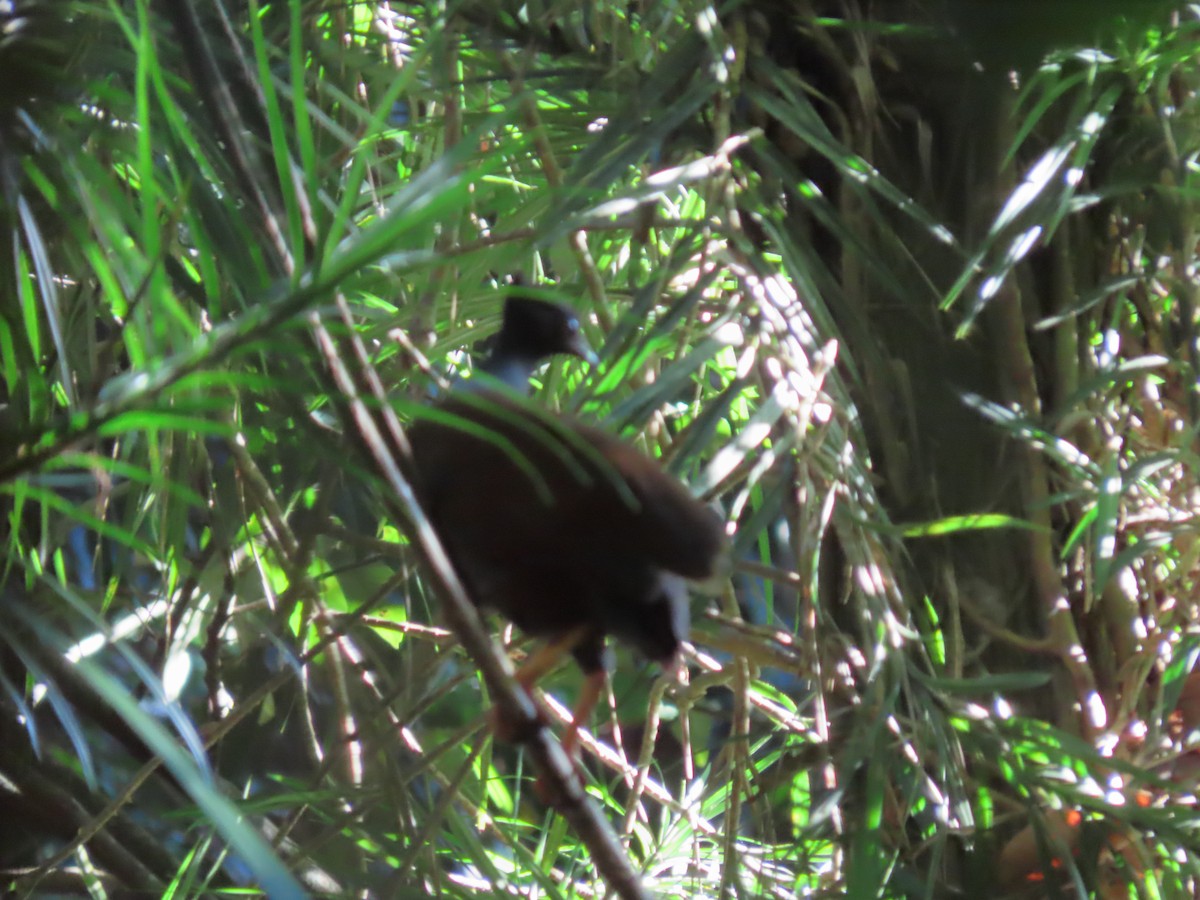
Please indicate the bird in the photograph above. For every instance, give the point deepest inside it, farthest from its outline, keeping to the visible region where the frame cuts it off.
(567, 531)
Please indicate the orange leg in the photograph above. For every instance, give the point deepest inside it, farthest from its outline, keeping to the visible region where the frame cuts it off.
(548, 655)
(539, 663)
(593, 687)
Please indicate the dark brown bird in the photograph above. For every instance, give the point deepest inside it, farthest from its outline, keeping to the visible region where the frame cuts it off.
(569, 532)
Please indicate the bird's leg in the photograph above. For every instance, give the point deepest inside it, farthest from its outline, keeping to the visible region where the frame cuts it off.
(588, 647)
(539, 663)
(547, 657)
(589, 696)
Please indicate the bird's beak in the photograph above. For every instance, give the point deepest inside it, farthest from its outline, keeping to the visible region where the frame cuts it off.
(579, 346)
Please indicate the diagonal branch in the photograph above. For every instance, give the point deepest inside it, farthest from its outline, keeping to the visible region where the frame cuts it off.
(373, 423)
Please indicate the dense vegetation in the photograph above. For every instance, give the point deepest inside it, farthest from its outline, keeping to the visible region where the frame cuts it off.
(909, 292)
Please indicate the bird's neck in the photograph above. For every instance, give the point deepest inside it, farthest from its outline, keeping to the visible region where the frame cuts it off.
(511, 369)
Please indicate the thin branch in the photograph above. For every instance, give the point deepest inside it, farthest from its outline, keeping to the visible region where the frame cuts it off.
(384, 442)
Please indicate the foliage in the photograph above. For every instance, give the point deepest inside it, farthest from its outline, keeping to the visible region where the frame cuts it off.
(924, 328)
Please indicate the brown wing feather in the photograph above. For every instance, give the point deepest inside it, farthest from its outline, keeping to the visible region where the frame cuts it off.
(557, 524)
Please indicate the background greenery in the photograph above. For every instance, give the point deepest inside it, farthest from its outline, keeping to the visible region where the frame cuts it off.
(909, 289)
